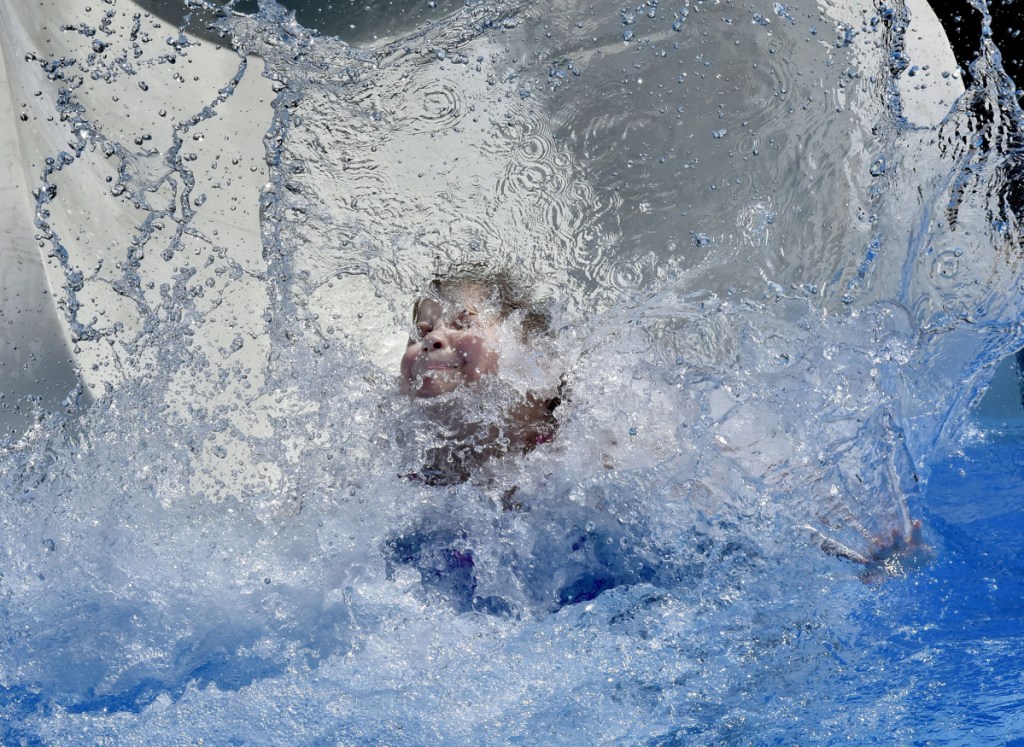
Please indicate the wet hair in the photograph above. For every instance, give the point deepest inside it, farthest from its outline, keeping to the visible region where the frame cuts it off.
(510, 293)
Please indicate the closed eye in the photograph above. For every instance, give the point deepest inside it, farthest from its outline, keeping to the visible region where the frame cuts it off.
(465, 319)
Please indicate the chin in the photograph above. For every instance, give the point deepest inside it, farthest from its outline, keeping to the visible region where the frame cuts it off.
(434, 386)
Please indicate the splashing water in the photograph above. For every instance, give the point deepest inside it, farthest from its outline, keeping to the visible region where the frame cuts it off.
(776, 295)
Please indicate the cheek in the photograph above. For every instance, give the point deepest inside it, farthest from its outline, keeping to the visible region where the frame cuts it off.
(408, 359)
(480, 358)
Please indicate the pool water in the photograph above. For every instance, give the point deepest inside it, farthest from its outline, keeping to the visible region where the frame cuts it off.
(781, 274)
(956, 642)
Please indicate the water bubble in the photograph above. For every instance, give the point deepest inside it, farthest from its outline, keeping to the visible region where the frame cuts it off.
(946, 265)
(719, 134)
(701, 239)
(879, 166)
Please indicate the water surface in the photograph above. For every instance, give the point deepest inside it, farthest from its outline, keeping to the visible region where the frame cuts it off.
(776, 295)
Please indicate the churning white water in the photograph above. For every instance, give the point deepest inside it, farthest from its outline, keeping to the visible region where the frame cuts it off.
(777, 287)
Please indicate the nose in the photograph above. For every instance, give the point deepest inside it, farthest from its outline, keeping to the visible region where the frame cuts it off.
(436, 339)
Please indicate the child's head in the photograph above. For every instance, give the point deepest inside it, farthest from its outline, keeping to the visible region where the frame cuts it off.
(457, 332)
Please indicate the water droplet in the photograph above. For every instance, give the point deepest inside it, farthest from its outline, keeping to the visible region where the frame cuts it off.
(946, 264)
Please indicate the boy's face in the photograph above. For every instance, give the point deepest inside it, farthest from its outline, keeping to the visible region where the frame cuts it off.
(455, 342)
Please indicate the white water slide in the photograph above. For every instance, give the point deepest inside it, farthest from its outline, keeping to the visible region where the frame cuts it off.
(37, 356)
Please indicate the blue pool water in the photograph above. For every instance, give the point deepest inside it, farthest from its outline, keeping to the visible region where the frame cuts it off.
(778, 290)
(955, 636)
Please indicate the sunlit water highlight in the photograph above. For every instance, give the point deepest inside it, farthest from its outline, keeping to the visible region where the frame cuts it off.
(775, 300)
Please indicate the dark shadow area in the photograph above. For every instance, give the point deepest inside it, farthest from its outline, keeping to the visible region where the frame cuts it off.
(358, 22)
(962, 23)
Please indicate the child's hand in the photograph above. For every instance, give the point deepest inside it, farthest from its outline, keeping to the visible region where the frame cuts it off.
(897, 554)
